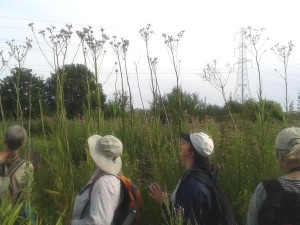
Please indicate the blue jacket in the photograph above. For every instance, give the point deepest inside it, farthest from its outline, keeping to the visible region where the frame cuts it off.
(195, 197)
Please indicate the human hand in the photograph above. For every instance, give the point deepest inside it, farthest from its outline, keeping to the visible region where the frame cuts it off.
(157, 194)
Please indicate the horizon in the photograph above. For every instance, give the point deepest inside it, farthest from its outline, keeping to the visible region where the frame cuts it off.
(198, 46)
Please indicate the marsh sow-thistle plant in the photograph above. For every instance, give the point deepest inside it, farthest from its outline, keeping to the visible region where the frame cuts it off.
(19, 53)
(96, 49)
(257, 42)
(58, 41)
(213, 76)
(120, 49)
(157, 101)
(146, 33)
(172, 44)
(4, 61)
(283, 53)
(58, 140)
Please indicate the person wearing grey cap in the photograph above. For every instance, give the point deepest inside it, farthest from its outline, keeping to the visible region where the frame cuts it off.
(278, 201)
(12, 166)
(196, 194)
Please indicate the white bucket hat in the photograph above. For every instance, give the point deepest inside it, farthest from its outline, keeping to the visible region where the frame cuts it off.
(106, 152)
(203, 143)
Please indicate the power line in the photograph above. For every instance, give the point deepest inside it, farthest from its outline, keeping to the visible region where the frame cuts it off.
(51, 21)
(71, 44)
(48, 50)
(274, 83)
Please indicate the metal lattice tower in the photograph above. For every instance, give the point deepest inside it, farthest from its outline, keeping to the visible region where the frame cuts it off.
(242, 89)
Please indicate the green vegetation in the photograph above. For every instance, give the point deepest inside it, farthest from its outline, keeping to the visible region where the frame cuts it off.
(62, 112)
(148, 156)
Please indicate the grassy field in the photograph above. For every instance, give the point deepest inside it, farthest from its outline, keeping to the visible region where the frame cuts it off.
(151, 153)
(244, 146)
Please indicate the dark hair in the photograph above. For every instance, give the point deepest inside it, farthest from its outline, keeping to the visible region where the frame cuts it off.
(202, 162)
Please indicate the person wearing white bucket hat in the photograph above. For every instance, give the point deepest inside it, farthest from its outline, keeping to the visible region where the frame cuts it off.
(106, 152)
(196, 194)
(105, 195)
(277, 201)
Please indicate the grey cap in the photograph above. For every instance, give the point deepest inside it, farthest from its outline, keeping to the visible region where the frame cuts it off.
(287, 139)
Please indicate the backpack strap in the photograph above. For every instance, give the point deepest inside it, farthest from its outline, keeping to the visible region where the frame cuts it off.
(126, 184)
(132, 193)
(200, 175)
(279, 206)
(89, 186)
(224, 214)
(272, 187)
(15, 166)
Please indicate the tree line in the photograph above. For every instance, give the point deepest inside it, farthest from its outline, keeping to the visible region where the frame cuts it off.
(37, 94)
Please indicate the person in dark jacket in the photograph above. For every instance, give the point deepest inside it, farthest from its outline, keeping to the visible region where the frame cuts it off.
(193, 197)
(283, 192)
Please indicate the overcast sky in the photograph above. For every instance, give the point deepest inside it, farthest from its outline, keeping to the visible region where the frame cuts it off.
(211, 29)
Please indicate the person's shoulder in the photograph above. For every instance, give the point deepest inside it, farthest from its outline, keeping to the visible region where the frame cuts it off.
(198, 176)
(259, 190)
(192, 182)
(20, 167)
(107, 180)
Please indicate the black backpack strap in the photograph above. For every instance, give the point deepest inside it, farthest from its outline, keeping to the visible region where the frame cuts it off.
(87, 204)
(89, 187)
(272, 187)
(200, 175)
(85, 209)
(280, 206)
(86, 187)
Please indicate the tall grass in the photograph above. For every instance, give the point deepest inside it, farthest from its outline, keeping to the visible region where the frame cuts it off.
(58, 148)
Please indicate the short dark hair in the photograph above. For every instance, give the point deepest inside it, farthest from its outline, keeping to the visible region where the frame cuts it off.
(15, 137)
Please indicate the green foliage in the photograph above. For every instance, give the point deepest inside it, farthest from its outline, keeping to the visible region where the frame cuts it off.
(191, 104)
(250, 107)
(9, 214)
(28, 83)
(115, 107)
(74, 90)
(244, 159)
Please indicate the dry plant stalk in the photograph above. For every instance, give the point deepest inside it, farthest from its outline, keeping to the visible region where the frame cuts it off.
(283, 52)
(218, 81)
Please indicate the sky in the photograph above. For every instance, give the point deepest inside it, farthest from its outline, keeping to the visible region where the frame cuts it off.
(211, 32)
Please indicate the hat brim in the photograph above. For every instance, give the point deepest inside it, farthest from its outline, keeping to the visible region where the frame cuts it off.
(107, 165)
(185, 136)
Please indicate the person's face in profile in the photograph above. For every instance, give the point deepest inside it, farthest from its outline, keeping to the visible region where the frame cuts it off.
(185, 151)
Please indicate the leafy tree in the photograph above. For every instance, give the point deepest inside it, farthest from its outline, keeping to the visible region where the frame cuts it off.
(114, 107)
(29, 85)
(191, 104)
(272, 109)
(215, 111)
(236, 107)
(74, 90)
